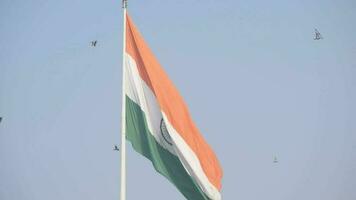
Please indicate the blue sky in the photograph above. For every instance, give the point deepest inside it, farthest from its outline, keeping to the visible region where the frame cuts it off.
(256, 82)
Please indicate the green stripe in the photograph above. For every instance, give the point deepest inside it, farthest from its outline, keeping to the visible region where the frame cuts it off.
(164, 162)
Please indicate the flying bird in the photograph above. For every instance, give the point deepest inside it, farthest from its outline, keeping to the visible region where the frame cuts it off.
(0, 119)
(318, 36)
(93, 43)
(116, 148)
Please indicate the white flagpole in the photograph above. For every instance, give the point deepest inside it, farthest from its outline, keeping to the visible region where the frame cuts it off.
(123, 109)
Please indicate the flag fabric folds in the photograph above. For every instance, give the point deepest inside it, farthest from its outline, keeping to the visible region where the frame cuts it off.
(159, 126)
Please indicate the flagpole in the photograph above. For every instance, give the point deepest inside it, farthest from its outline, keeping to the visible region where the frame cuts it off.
(123, 121)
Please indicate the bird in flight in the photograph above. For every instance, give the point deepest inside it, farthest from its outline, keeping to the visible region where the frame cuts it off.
(93, 43)
(0, 119)
(116, 148)
(318, 36)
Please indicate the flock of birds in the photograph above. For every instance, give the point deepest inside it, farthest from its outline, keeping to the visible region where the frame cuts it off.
(93, 43)
(318, 36)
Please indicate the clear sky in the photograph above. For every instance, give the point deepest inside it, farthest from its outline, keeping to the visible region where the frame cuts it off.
(256, 82)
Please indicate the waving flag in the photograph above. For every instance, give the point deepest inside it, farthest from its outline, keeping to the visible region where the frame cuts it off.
(159, 126)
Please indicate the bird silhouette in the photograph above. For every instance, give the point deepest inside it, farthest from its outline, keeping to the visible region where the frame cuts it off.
(318, 36)
(93, 43)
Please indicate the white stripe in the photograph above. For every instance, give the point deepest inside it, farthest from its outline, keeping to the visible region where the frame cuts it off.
(191, 162)
(138, 91)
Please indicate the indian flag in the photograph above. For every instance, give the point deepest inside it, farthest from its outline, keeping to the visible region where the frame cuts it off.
(159, 126)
